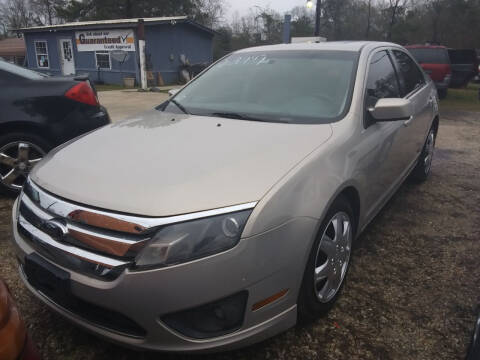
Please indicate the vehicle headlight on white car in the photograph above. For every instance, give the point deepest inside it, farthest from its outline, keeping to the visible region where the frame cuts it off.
(183, 242)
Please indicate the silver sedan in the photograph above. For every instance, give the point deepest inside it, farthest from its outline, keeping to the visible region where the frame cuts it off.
(229, 212)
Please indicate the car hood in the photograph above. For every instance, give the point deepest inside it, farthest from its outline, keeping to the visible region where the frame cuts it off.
(160, 164)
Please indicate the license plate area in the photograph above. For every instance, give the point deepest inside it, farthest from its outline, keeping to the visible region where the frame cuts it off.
(47, 278)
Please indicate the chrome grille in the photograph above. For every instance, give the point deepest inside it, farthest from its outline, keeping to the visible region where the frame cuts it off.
(57, 229)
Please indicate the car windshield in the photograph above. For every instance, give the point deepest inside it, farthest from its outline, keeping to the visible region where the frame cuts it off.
(20, 71)
(274, 86)
(430, 55)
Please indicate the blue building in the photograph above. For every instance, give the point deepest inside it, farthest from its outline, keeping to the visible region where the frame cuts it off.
(108, 51)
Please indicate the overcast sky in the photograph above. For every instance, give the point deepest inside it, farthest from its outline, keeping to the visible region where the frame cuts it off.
(279, 5)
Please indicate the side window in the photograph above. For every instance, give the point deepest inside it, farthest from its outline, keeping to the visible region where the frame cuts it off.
(382, 80)
(411, 76)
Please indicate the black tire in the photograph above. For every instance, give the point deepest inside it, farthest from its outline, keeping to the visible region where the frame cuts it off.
(423, 168)
(30, 138)
(308, 305)
(442, 93)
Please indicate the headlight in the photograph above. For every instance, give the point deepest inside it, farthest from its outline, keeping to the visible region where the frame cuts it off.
(182, 242)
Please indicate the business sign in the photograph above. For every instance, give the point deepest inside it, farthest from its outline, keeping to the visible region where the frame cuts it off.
(105, 40)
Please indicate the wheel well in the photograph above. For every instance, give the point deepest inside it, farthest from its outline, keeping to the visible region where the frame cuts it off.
(351, 194)
(26, 127)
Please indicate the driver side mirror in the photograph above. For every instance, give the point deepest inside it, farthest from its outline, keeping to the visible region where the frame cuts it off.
(392, 109)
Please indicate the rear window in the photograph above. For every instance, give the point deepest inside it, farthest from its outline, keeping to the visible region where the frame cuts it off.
(462, 56)
(430, 55)
(20, 71)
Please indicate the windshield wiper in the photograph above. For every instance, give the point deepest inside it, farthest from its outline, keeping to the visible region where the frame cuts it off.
(233, 115)
(180, 106)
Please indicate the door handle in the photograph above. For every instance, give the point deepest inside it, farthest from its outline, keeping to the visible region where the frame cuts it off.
(407, 122)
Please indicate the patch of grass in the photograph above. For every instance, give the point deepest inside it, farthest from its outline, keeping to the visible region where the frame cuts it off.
(109, 87)
(462, 99)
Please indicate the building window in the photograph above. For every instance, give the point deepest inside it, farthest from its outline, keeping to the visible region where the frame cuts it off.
(41, 50)
(103, 60)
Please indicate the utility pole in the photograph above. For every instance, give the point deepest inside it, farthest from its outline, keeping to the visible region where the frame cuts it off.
(317, 18)
(318, 14)
(141, 53)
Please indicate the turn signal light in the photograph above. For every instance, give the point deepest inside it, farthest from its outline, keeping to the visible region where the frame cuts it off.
(83, 93)
(269, 300)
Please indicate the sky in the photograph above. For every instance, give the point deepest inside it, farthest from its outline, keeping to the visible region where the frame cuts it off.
(242, 6)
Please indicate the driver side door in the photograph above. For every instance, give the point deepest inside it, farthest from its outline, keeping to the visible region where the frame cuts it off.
(383, 164)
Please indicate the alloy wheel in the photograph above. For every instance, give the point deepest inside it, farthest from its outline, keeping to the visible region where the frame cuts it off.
(429, 148)
(16, 160)
(333, 256)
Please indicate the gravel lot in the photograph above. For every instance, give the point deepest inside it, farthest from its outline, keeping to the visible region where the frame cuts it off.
(121, 104)
(410, 294)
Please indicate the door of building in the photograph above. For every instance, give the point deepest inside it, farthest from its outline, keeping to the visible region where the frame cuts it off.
(66, 57)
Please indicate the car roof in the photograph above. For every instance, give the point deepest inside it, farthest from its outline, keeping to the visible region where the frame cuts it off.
(355, 46)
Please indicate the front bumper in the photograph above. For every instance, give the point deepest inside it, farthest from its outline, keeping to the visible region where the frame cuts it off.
(261, 265)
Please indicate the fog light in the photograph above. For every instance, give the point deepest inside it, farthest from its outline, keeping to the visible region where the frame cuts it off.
(211, 320)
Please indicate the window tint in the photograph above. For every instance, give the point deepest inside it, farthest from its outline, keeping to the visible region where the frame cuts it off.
(411, 76)
(462, 56)
(382, 81)
(430, 55)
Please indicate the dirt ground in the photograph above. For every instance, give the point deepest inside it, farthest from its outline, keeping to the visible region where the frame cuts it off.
(121, 104)
(410, 294)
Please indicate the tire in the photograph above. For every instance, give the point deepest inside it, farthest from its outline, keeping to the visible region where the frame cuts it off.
(424, 165)
(315, 298)
(442, 93)
(19, 152)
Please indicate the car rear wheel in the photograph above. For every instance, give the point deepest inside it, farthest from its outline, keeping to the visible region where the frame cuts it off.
(19, 153)
(442, 93)
(424, 165)
(328, 262)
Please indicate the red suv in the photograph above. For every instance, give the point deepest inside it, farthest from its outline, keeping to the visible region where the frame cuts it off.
(435, 61)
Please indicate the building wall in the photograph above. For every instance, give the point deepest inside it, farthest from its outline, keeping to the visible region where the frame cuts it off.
(84, 60)
(165, 43)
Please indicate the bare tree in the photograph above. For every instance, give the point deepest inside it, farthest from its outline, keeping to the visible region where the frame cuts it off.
(16, 14)
(369, 17)
(394, 9)
(46, 10)
(210, 12)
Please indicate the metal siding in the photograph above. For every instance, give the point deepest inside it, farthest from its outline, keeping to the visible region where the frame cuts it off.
(161, 41)
(165, 40)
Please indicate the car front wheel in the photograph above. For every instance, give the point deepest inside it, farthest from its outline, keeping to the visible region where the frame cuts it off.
(328, 262)
(19, 153)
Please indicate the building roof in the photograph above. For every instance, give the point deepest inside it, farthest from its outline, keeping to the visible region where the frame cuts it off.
(117, 23)
(12, 47)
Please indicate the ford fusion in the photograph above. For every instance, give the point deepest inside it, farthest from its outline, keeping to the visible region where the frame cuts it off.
(228, 213)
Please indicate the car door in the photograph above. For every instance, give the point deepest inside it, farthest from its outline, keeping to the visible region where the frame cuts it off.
(381, 165)
(413, 86)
